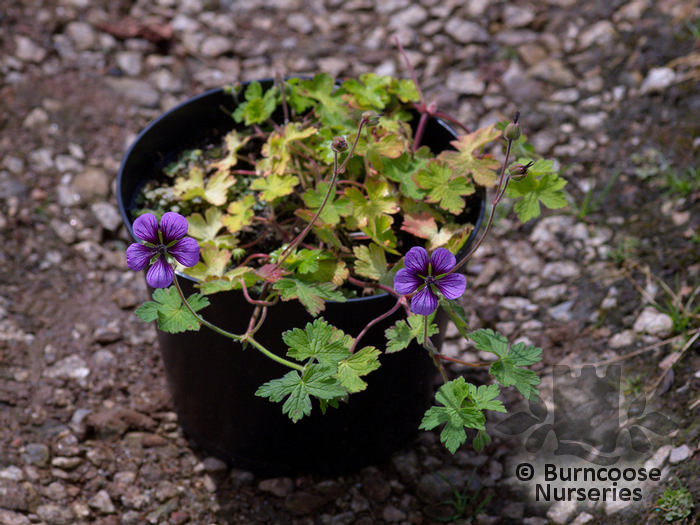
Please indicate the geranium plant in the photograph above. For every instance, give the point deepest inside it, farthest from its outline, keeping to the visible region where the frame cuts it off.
(323, 191)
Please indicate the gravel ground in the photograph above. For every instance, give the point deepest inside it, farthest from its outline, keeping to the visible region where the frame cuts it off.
(611, 89)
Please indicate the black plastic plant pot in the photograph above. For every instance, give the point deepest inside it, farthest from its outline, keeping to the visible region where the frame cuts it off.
(213, 380)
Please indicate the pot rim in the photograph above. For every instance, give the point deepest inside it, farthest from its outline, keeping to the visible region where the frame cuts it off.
(124, 210)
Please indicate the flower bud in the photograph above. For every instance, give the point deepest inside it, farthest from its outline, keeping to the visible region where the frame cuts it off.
(512, 131)
(339, 144)
(371, 118)
(519, 171)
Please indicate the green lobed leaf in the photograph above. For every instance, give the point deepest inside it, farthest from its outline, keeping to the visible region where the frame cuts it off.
(315, 265)
(386, 147)
(458, 413)
(311, 295)
(274, 186)
(359, 364)
(467, 159)
(406, 90)
(403, 169)
(379, 200)
(540, 185)
(370, 261)
(172, 315)
(315, 380)
(213, 264)
(207, 228)
(379, 230)
(484, 397)
(508, 369)
(331, 108)
(257, 107)
(318, 341)
(369, 91)
(276, 151)
(239, 214)
(213, 189)
(443, 186)
(334, 208)
(231, 280)
(403, 332)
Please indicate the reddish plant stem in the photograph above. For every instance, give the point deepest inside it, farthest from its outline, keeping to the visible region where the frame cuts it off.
(254, 327)
(346, 182)
(419, 131)
(412, 73)
(501, 188)
(254, 256)
(374, 321)
(280, 84)
(331, 187)
(251, 300)
(425, 110)
(363, 284)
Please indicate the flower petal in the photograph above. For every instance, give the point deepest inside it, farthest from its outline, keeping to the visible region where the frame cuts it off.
(452, 286)
(442, 261)
(417, 260)
(146, 228)
(424, 302)
(406, 281)
(161, 274)
(185, 251)
(138, 256)
(173, 226)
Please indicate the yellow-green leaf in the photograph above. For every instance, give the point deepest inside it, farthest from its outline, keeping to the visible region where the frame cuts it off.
(213, 264)
(357, 365)
(380, 200)
(276, 150)
(214, 190)
(233, 143)
(444, 187)
(275, 186)
(207, 228)
(239, 214)
(468, 159)
(424, 226)
(371, 261)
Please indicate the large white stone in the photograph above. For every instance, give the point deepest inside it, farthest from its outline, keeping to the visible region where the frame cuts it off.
(658, 79)
(653, 322)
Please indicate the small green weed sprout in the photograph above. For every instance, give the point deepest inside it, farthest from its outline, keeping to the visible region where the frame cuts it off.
(676, 503)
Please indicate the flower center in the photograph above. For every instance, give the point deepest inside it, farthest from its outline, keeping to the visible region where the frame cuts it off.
(430, 280)
(162, 249)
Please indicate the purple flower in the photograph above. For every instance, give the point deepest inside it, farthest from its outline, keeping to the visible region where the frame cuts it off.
(159, 243)
(426, 275)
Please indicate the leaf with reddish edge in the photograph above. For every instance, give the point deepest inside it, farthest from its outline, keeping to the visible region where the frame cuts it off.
(271, 272)
(424, 226)
(468, 157)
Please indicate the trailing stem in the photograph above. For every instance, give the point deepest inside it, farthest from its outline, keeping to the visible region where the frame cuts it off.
(430, 347)
(337, 169)
(373, 322)
(245, 338)
(500, 190)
